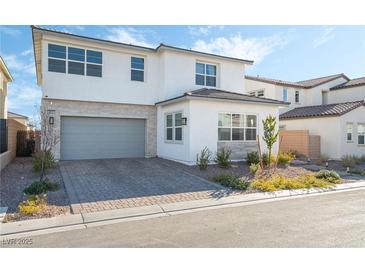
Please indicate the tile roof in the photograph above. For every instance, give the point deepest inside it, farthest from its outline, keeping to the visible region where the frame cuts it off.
(274, 81)
(321, 80)
(212, 93)
(300, 84)
(321, 110)
(352, 83)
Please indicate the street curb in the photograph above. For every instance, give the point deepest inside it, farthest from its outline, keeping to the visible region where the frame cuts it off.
(161, 210)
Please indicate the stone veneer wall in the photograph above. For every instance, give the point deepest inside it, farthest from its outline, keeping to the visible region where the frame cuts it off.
(106, 110)
(239, 149)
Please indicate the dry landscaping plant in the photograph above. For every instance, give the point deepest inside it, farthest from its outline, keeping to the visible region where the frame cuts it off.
(33, 205)
(203, 159)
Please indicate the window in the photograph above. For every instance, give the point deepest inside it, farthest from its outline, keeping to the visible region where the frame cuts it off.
(237, 127)
(77, 65)
(257, 93)
(94, 61)
(137, 69)
(361, 134)
(173, 125)
(56, 58)
(285, 95)
(205, 75)
(349, 130)
(76, 60)
(297, 96)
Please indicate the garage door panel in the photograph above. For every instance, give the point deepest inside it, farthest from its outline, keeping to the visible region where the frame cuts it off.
(101, 138)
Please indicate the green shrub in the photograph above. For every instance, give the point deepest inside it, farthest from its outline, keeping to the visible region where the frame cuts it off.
(254, 168)
(265, 159)
(41, 187)
(223, 158)
(252, 158)
(232, 181)
(49, 161)
(279, 183)
(285, 158)
(358, 172)
(203, 159)
(348, 161)
(32, 205)
(330, 176)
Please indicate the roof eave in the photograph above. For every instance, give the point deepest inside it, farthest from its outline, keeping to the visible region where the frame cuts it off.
(6, 71)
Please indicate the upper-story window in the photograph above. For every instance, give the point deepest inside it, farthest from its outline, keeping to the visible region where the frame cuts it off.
(297, 96)
(137, 69)
(56, 58)
(205, 75)
(349, 130)
(75, 59)
(285, 95)
(258, 93)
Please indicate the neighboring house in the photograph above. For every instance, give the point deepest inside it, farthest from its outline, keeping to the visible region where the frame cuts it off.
(330, 107)
(5, 78)
(303, 93)
(8, 125)
(341, 126)
(116, 100)
(353, 90)
(18, 117)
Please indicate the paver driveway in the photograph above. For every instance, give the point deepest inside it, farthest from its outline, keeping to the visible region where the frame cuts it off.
(94, 185)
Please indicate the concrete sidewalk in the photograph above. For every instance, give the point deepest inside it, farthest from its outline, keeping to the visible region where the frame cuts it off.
(83, 220)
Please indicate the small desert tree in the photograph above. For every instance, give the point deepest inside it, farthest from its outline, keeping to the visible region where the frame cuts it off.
(270, 134)
(49, 137)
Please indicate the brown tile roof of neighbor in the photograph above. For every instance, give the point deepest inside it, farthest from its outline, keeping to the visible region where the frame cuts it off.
(301, 84)
(352, 83)
(274, 81)
(212, 93)
(321, 80)
(321, 110)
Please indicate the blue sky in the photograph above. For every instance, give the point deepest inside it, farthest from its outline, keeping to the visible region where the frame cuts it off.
(284, 52)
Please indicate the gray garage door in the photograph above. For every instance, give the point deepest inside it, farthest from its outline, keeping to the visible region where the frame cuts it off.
(101, 138)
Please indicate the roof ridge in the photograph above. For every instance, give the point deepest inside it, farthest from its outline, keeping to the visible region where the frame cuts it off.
(334, 104)
(317, 78)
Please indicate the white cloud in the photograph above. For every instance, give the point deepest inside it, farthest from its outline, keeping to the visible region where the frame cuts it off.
(14, 63)
(27, 52)
(129, 36)
(255, 49)
(24, 97)
(12, 31)
(197, 31)
(73, 28)
(327, 35)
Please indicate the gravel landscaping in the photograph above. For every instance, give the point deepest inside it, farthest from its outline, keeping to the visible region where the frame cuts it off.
(18, 175)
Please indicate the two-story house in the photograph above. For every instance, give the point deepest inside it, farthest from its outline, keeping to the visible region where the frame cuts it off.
(115, 100)
(331, 107)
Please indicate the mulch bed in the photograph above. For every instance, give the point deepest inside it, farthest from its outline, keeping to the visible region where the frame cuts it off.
(18, 175)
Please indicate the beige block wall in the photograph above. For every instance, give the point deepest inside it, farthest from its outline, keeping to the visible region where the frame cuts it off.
(105, 110)
(8, 156)
(301, 142)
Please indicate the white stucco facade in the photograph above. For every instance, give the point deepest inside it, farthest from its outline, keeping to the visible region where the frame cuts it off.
(332, 131)
(202, 127)
(347, 94)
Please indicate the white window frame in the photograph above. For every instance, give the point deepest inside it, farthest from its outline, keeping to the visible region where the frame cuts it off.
(285, 94)
(297, 93)
(205, 74)
(362, 134)
(256, 93)
(173, 141)
(352, 132)
(56, 58)
(244, 126)
(143, 70)
(84, 62)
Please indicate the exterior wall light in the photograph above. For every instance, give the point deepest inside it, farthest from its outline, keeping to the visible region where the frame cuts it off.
(51, 120)
(184, 121)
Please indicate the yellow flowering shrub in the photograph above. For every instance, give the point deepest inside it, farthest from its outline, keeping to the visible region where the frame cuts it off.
(32, 206)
